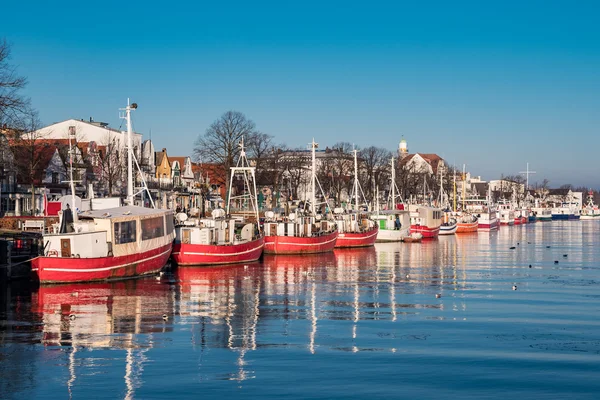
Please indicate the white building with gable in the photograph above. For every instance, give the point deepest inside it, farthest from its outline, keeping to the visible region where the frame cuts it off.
(91, 131)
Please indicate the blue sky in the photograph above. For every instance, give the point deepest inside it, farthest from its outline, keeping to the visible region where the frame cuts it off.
(493, 86)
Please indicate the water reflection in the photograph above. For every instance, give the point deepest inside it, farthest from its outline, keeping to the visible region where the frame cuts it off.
(102, 314)
(234, 318)
(124, 315)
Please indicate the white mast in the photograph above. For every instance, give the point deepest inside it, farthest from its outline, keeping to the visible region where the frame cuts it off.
(127, 117)
(393, 185)
(244, 166)
(441, 187)
(72, 183)
(314, 172)
(355, 181)
(129, 157)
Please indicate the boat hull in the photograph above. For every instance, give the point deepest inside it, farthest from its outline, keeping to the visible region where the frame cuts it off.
(448, 230)
(390, 235)
(362, 239)
(590, 217)
(491, 226)
(70, 269)
(428, 233)
(300, 245)
(467, 227)
(564, 217)
(203, 254)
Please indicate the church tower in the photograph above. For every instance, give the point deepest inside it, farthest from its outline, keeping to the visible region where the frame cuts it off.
(402, 149)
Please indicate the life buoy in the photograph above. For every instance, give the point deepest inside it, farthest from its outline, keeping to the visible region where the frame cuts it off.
(52, 253)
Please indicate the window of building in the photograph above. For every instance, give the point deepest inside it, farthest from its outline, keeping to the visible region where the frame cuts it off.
(153, 228)
(125, 232)
(55, 178)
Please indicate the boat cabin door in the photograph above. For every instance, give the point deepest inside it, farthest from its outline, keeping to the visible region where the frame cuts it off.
(65, 247)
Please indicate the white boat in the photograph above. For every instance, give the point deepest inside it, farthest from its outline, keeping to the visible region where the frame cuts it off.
(566, 211)
(449, 225)
(107, 244)
(542, 213)
(393, 223)
(506, 213)
(591, 210)
(487, 217)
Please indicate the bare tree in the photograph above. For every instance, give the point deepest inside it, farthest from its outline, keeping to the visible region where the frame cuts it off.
(295, 165)
(110, 163)
(29, 149)
(260, 149)
(342, 169)
(220, 142)
(375, 163)
(12, 104)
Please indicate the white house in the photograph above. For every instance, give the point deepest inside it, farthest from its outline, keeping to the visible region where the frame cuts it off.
(91, 131)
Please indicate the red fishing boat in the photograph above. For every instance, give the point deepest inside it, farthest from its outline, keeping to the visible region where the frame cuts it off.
(364, 238)
(222, 239)
(302, 232)
(425, 220)
(107, 244)
(355, 227)
(298, 235)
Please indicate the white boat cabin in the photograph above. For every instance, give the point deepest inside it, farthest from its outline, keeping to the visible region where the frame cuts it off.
(297, 225)
(217, 230)
(117, 231)
(352, 222)
(426, 216)
(392, 219)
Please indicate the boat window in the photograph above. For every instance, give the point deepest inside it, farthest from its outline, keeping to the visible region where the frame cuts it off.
(170, 224)
(125, 232)
(153, 228)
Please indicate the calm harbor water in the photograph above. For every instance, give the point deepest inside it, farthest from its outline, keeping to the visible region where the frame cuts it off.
(353, 324)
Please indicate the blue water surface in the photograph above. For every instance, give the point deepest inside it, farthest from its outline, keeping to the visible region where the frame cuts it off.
(438, 319)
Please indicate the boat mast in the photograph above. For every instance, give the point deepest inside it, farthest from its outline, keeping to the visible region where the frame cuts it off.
(464, 195)
(355, 181)
(313, 178)
(454, 197)
(441, 187)
(71, 181)
(127, 117)
(244, 166)
(393, 185)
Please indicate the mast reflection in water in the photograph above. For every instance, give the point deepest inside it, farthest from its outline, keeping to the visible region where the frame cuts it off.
(352, 323)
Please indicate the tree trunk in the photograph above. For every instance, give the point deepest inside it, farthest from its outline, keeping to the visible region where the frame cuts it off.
(32, 199)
